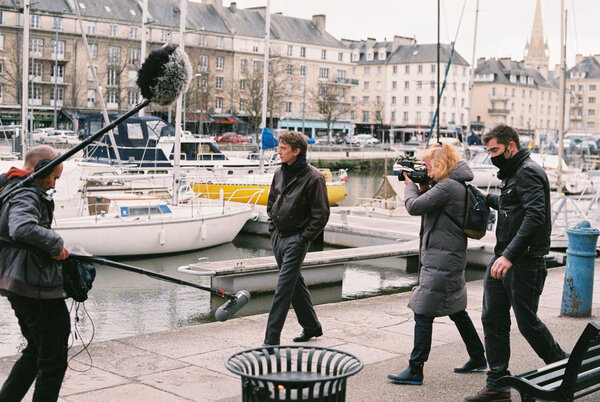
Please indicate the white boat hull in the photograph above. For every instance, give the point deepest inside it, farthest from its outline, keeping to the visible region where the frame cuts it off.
(147, 235)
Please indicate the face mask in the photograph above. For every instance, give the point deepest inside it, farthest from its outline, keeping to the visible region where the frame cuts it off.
(499, 160)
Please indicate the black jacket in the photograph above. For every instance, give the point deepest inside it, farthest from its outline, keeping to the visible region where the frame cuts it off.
(524, 213)
(300, 207)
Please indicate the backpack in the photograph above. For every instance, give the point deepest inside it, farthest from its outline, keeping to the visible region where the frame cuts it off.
(477, 213)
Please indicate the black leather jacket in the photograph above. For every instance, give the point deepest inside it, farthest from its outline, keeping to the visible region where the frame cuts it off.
(524, 213)
(300, 207)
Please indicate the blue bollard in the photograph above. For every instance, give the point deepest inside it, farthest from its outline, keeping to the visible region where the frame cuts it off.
(579, 273)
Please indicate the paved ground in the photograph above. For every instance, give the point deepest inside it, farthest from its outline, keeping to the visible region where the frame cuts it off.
(188, 363)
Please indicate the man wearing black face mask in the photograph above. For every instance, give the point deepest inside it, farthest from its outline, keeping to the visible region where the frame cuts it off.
(515, 276)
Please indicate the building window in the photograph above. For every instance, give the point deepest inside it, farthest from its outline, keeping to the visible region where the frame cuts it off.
(242, 105)
(58, 49)
(242, 85)
(323, 73)
(132, 98)
(323, 54)
(57, 23)
(341, 75)
(405, 116)
(1, 17)
(91, 98)
(379, 69)
(394, 84)
(1, 42)
(35, 70)
(418, 117)
(244, 64)
(303, 71)
(591, 112)
(111, 77)
(220, 45)
(289, 69)
(393, 100)
(35, 92)
(60, 94)
(36, 47)
(433, 67)
(220, 63)
(407, 69)
(91, 28)
(367, 70)
(418, 100)
(256, 65)
(134, 55)
(35, 21)
(406, 84)
(133, 32)
(592, 88)
(61, 72)
(431, 100)
(203, 63)
(218, 104)
(288, 107)
(112, 97)
(1, 67)
(93, 48)
(340, 56)
(365, 116)
(366, 85)
(591, 100)
(114, 54)
(394, 69)
(112, 30)
(290, 50)
(302, 52)
(164, 35)
(420, 68)
(419, 84)
(366, 100)
(219, 83)
(590, 124)
(406, 100)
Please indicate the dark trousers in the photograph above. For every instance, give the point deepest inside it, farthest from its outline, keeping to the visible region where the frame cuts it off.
(289, 253)
(45, 324)
(520, 289)
(424, 330)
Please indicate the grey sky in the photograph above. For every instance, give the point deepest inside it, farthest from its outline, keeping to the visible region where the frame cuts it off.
(504, 25)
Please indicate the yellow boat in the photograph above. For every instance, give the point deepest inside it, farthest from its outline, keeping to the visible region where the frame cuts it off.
(255, 188)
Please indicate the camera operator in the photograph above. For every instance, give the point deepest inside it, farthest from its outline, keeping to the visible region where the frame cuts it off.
(441, 290)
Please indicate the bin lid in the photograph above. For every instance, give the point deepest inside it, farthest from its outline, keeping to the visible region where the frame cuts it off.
(584, 228)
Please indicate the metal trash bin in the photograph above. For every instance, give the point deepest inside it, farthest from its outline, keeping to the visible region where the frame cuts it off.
(293, 373)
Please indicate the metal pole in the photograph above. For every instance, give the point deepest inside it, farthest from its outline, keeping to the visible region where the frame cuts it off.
(55, 73)
(263, 122)
(25, 78)
(561, 99)
(177, 147)
(304, 97)
(472, 77)
(143, 45)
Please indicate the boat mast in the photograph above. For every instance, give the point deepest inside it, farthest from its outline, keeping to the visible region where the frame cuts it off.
(263, 121)
(178, 111)
(472, 77)
(563, 68)
(143, 45)
(25, 79)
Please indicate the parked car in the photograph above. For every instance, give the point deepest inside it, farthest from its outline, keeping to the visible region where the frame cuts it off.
(232, 138)
(61, 137)
(39, 133)
(322, 140)
(362, 139)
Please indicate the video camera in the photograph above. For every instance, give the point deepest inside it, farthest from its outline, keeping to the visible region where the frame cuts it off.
(415, 170)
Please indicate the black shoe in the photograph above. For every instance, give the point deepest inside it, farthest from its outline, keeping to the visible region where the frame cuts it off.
(413, 375)
(306, 335)
(471, 366)
(488, 395)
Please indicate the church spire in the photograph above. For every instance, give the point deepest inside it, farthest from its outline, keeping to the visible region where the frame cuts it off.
(536, 50)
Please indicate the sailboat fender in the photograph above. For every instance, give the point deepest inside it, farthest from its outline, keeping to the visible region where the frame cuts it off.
(203, 231)
(162, 237)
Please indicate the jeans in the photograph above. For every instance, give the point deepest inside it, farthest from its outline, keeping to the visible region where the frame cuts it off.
(45, 324)
(520, 289)
(424, 330)
(289, 253)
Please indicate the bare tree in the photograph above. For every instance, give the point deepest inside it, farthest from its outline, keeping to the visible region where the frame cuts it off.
(378, 108)
(329, 101)
(250, 93)
(13, 73)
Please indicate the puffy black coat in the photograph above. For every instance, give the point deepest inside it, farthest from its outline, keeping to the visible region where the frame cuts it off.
(441, 290)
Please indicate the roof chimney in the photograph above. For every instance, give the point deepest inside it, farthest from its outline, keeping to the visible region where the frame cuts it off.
(218, 4)
(480, 61)
(233, 6)
(506, 62)
(578, 58)
(319, 21)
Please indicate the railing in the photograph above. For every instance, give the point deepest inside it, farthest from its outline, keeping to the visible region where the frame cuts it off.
(568, 210)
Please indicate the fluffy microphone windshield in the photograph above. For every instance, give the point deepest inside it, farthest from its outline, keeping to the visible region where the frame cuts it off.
(165, 74)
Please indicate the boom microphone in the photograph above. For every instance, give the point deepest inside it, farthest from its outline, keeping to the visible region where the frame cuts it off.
(232, 306)
(165, 74)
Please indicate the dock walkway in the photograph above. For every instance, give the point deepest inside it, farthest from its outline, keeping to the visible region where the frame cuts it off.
(188, 364)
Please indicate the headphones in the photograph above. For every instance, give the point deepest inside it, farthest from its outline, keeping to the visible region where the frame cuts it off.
(40, 166)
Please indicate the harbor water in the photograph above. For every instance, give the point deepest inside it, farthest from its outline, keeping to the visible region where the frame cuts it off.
(123, 303)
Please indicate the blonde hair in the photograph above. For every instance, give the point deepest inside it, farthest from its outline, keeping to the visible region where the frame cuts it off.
(442, 159)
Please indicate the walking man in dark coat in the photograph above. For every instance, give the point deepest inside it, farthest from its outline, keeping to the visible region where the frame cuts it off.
(516, 274)
(298, 209)
(32, 282)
